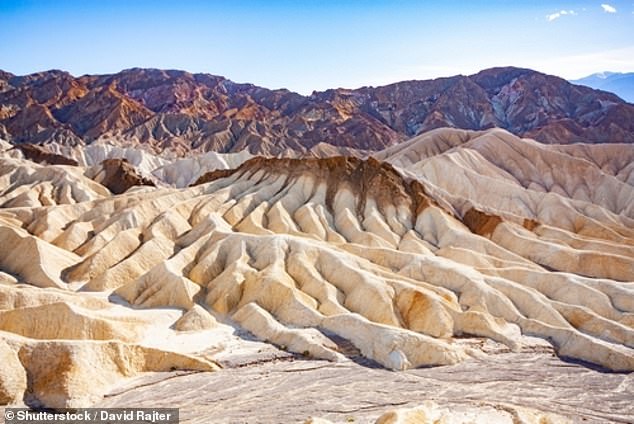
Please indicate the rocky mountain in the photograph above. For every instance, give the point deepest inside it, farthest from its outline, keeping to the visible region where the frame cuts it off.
(621, 84)
(182, 112)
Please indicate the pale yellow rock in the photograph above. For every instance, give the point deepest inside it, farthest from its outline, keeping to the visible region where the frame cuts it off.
(494, 169)
(71, 374)
(7, 279)
(33, 260)
(423, 314)
(411, 416)
(13, 381)
(20, 296)
(134, 266)
(197, 318)
(160, 287)
(179, 172)
(66, 321)
(26, 184)
(431, 413)
(117, 249)
(314, 420)
(308, 342)
(394, 348)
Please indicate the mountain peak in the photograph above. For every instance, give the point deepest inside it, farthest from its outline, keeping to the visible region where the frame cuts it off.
(621, 84)
(606, 74)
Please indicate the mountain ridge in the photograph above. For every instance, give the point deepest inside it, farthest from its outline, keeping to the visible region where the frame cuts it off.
(184, 112)
(619, 83)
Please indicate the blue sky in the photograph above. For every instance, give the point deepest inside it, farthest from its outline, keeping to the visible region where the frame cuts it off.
(314, 45)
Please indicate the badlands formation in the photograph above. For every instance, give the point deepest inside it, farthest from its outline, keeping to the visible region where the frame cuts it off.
(476, 252)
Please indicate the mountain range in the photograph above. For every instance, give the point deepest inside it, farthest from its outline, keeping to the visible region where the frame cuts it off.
(622, 84)
(181, 112)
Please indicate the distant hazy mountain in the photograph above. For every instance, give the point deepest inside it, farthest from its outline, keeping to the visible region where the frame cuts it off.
(621, 84)
(185, 113)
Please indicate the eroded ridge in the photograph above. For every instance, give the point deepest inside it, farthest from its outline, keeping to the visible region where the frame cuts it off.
(300, 251)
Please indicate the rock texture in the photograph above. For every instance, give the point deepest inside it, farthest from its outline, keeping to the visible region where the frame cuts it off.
(13, 381)
(501, 388)
(65, 349)
(41, 154)
(431, 413)
(118, 175)
(178, 172)
(182, 112)
(196, 319)
(392, 261)
(25, 184)
(66, 374)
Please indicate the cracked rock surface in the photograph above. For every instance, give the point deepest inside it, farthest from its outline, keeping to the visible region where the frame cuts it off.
(283, 390)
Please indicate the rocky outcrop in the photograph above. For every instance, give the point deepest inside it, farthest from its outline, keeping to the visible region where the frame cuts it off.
(40, 154)
(56, 380)
(363, 178)
(174, 171)
(24, 183)
(480, 222)
(213, 175)
(196, 319)
(13, 380)
(118, 176)
(396, 265)
(64, 349)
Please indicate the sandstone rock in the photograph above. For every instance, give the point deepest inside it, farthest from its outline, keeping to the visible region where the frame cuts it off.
(40, 154)
(160, 287)
(66, 321)
(33, 260)
(197, 318)
(20, 296)
(430, 413)
(308, 342)
(7, 278)
(65, 374)
(13, 382)
(118, 176)
(26, 184)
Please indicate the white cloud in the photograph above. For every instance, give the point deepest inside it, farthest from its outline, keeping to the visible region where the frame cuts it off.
(559, 14)
(608, 8)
